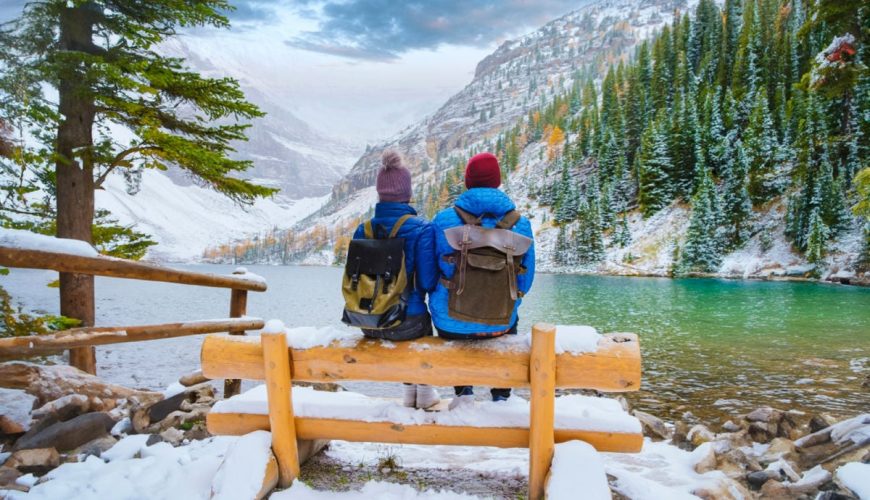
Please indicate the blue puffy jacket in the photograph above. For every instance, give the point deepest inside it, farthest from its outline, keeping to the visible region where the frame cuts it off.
(477, 201)
(419, 249)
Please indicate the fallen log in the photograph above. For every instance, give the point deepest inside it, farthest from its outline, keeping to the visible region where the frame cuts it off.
(48, 383)
(90, 336)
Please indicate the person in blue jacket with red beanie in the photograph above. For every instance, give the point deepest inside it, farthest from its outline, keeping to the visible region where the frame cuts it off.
(482, 199)
(394, 195)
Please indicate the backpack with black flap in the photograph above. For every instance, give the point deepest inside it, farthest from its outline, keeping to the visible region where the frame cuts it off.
(375, 285)
(483, 288)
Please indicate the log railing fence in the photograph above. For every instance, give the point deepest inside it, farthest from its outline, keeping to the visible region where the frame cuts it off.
(83, 340)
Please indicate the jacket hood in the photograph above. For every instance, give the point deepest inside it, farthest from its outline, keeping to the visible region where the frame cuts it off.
(479, 201)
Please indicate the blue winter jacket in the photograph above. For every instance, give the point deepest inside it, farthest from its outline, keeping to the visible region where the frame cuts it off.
(419, 249)
(477, 201)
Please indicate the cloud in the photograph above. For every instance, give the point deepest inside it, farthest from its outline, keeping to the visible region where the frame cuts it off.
(384, 29)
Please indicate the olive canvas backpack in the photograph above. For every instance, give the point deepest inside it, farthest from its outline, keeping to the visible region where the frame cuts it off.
(375, 285)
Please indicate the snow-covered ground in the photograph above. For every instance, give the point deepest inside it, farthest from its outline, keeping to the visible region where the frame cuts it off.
(233, 467)
(194, 471)
(185, 220)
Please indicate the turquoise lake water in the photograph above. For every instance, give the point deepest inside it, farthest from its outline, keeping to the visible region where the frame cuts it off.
(716, 348)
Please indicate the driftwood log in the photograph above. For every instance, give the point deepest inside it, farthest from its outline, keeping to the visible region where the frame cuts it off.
(48, 383)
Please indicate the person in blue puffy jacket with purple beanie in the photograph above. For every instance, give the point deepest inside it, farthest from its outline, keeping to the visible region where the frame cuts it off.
(483, 199)
(394, 195)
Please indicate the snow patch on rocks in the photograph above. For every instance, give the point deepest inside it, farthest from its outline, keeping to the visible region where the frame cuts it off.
(856, 477)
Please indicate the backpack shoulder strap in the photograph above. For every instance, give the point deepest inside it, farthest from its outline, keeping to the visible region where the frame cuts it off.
(398, 225)
(467, 217)
(509, 220)
(367, 229)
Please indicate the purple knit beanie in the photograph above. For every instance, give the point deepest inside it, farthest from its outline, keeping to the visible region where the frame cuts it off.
(394, 179)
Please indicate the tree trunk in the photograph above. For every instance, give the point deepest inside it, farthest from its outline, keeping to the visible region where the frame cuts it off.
(74, 171)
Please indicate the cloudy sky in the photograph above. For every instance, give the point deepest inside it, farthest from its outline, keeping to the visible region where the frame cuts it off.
(361, 69)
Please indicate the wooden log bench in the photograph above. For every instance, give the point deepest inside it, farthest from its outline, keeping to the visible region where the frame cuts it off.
(615, 366)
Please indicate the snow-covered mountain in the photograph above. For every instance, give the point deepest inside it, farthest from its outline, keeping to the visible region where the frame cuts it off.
(286, 152)
(523, 75)
(517, 77)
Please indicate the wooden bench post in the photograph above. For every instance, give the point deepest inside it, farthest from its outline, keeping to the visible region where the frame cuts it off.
(276, 360)
(238, 308)
(542, 394)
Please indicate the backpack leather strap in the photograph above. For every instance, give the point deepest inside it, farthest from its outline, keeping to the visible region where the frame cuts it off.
(367, 229)
(508, 220)
(468, 217)
(398, 225)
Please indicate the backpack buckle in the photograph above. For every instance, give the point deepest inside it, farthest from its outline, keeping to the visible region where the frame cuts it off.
(354, 278)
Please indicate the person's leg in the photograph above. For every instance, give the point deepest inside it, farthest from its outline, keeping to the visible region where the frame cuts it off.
(414, 327)
(409, 395)
(458, 390)
(502, 394)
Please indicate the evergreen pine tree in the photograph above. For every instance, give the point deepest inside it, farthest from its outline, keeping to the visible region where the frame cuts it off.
(622, 235)
(736, 206)
(561, 252)
(78, 75)
(702, 251)
(655, 162)
(832, 206)
(817, 239)
(761, 147)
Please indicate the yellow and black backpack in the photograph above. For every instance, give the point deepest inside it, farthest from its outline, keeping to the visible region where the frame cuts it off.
(375, 285)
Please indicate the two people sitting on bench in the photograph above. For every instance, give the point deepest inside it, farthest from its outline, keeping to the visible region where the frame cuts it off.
(475, 260)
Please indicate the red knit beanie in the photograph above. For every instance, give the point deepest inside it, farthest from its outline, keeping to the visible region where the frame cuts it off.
(394, 179)
(483, 171)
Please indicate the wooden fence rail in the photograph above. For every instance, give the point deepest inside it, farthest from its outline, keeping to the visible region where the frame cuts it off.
(121, 268)
(33, 345)
(81, 341)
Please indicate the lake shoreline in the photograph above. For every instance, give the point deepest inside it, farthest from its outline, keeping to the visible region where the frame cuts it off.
(833, 278)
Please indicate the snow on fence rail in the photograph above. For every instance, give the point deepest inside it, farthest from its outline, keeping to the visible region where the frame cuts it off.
(100, 265)
(613, 365)
(23, 249)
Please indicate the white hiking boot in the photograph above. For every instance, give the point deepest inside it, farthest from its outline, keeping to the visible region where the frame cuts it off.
(461, 402)
(409, 395)
(427, 397)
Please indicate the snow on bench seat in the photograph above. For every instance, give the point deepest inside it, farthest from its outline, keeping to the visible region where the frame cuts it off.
(600, 421)
(584, 358)
(572, 411)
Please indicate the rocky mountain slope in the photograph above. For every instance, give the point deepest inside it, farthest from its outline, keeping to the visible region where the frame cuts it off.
(519, 76)
(534, 102)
